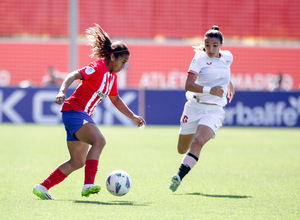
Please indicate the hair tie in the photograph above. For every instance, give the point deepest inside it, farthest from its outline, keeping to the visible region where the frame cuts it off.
(119, 51)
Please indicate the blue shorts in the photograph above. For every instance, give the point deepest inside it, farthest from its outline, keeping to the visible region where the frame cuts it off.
(73, 120)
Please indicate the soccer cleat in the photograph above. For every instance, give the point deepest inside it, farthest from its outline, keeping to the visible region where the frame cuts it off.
(42, 192)
(88, 190)
(175, 182)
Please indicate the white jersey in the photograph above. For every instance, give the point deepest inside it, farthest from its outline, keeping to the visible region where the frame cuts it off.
(211, 72)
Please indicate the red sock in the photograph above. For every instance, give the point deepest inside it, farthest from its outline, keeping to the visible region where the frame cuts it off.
(54, 178)
(91, 168)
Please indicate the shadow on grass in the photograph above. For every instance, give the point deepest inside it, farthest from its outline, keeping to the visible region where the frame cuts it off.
(218, 196)
(121, 203)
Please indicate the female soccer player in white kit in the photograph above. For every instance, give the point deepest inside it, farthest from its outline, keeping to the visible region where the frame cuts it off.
(207, 84)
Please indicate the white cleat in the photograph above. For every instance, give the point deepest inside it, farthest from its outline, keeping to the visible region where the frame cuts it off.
(42, 192)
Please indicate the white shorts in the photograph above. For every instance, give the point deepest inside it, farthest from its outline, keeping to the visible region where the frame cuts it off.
(195, 114)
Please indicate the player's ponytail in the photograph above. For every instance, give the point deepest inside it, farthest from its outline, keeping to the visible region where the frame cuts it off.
(215, 27)
(214, 32)
(101, 44)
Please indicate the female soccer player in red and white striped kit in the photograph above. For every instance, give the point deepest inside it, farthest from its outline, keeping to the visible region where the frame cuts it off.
(208, 83)
(98, 80)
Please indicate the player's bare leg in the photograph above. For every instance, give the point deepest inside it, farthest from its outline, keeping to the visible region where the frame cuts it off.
(90, 134)
(78, 151)
(203, 134)
(184, 143)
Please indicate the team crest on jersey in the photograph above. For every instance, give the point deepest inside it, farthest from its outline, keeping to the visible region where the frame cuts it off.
(89, 70)
(208, 63)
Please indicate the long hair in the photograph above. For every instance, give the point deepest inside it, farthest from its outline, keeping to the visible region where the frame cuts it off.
(101, 44)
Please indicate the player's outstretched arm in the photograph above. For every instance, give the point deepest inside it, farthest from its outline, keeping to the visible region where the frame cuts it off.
(122, 107)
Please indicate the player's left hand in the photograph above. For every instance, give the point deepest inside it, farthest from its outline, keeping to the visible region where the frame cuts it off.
(230, 92)
(139, 120)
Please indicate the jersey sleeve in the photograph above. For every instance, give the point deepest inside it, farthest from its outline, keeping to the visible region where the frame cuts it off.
(87, 70)
(195, 65)
(228, 57)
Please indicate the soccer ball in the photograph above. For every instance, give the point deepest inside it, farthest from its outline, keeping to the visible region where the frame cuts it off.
(118, 183)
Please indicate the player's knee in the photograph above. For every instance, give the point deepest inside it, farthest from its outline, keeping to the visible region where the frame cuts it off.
(99, 142)
(77, 164)
(182, 149)
(199, 141)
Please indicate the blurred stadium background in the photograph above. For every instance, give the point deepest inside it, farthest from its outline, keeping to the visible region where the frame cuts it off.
(263, 35)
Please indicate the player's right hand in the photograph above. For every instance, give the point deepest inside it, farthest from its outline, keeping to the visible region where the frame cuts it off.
(217, 90)
(60, 98)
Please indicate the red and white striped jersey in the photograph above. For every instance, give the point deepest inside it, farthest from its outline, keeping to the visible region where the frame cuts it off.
(98, 83)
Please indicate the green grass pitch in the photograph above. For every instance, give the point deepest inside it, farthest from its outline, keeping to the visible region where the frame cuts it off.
(245, 173)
